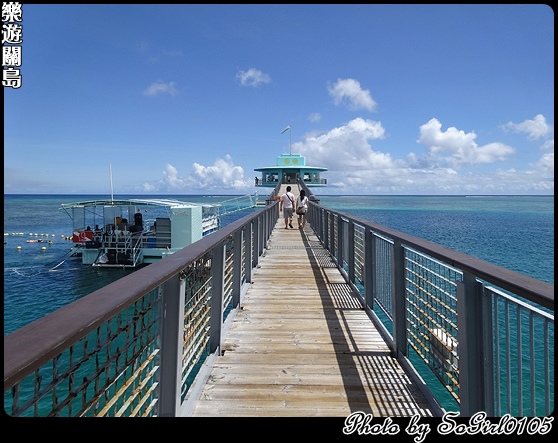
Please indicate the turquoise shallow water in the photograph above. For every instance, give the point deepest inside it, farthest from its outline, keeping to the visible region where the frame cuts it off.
(514, 232)
(37, 281)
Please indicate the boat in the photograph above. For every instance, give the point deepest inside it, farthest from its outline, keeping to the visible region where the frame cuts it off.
(133, 232)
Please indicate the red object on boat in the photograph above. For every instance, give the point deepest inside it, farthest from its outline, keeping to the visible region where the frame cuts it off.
(82, 236)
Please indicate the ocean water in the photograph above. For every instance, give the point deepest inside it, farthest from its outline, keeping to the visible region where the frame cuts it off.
(515, 232)
(39, 281)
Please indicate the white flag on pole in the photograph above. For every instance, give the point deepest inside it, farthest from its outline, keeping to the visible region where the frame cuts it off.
(286, 129)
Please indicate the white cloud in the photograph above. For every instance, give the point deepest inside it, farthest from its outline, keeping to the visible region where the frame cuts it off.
(355, 167)
(548, 145)
(346, 146)
(149, 188)
(458, 148)
(172, 179)
(545, 166)
(252, 77)
(348, 91)
(160, 88)
(535, 129)
(223, 175)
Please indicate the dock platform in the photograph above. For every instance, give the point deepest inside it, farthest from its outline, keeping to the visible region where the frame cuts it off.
(301, 345)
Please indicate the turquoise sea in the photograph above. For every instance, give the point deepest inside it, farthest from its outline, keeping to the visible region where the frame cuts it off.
(515, 232)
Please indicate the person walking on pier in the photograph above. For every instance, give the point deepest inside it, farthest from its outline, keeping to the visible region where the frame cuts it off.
(287, 206)
(301, 208)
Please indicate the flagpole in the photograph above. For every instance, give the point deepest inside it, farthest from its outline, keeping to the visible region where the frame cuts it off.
(288, 128)
(111, 192)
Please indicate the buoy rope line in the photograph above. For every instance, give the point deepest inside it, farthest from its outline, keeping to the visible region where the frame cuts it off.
(42, 271)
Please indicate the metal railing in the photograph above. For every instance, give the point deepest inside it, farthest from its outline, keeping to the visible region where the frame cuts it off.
(143, 345)
(485, 332)
(138, 346)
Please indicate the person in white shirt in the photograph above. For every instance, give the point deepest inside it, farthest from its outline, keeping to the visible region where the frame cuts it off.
(301, 208)
(287, 206)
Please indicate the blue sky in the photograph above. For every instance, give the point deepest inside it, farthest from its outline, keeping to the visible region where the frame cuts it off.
(190, 99)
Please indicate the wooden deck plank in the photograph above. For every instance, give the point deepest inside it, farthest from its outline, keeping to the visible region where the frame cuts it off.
(301, 345)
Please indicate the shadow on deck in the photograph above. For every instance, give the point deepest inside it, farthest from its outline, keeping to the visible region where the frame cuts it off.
(301, 345)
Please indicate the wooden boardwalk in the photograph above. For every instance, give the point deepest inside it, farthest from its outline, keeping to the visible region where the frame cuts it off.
(302, 346)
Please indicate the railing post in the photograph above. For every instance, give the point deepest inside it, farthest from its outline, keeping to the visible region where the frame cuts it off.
(488, 346)
(325, 238)
(351, 250)
(262, 236)
(340, 243)
(270, 224)
(256, 240)
(314, 219)
(217, 292)
(369, 267)
(237, 267)
(248, 251)
(274, 219)
(399, 298)
(322, 225)
(470, 348)
(331, 234)
(266, 219)
(327, 235)
(171, 318)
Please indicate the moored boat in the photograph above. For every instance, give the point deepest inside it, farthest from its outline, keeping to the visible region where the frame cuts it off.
(132, 232)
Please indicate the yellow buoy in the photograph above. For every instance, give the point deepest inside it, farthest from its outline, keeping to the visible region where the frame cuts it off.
(43, 248)
(19, 247)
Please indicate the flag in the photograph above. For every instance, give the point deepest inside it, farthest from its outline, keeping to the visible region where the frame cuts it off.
(286, 129)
